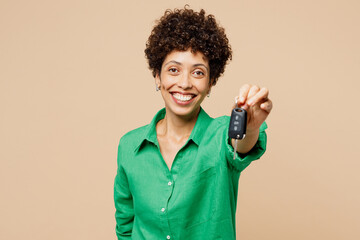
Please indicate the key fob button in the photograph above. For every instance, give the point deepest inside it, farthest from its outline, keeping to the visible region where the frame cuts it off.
(238, 120)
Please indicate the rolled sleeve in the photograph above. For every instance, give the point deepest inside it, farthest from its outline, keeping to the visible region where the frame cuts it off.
(241, 161)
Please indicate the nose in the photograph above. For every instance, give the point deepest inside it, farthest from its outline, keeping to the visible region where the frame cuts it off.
(185, 81)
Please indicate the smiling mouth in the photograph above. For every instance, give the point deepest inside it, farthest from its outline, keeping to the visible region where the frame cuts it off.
(183, 97)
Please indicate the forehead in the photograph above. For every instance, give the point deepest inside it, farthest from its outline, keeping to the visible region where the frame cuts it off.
(186, 57)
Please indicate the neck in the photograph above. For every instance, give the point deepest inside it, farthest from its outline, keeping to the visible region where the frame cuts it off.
(177, 127)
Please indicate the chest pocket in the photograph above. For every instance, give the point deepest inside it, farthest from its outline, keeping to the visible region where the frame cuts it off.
(196, 200)
(202, 192)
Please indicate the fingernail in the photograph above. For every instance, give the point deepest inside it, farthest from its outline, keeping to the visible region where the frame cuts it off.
(242, 99)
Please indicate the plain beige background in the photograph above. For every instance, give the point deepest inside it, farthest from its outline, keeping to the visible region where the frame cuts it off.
(73, 80)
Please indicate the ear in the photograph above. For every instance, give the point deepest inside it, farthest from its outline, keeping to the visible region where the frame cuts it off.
(157, 79)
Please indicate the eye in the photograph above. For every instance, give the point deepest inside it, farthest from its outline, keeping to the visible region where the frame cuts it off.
(173, 70)
(198, 73)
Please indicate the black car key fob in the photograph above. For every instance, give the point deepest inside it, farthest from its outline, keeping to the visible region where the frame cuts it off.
(237, 128)
(238, 120)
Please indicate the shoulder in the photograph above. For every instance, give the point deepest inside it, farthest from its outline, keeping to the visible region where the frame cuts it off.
(133, 137)
(128, 144)
(215, 128)
(221, 122)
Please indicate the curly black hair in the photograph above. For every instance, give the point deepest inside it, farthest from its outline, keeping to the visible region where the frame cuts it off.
(182, 29)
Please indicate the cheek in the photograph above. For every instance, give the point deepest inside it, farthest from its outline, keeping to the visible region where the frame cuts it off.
(166, 85)
(167, 82)
(203, 87)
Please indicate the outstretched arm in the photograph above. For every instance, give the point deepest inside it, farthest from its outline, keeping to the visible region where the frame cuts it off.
(258, 106)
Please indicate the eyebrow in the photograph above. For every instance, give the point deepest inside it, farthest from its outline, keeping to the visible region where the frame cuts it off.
(179, 63)
(200, 64)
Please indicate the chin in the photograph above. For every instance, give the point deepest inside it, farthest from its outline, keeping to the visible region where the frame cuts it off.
(183, 111)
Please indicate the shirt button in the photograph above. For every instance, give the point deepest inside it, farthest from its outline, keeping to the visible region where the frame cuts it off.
(163, 209)
(167, 237)
(169, 183)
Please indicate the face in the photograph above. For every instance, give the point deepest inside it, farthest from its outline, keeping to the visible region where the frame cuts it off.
(184, 82)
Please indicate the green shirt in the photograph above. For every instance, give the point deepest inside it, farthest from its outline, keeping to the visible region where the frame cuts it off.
(196, 199)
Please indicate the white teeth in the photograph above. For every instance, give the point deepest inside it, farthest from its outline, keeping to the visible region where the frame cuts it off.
(181, 97)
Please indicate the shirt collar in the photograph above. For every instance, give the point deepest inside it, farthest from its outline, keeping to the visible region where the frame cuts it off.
(202, 123)
(196, 135)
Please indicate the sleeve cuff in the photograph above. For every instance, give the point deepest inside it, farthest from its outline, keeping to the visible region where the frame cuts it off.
(241, 161)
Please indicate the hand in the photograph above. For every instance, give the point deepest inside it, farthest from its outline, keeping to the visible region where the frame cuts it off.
(257, 104)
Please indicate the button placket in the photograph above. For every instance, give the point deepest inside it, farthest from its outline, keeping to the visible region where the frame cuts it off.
(165, 210)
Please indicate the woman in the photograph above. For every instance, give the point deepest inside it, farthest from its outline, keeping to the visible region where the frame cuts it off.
(177, 178)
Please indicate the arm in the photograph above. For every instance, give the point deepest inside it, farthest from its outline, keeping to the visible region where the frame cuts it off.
(124, 214)
(258, 106)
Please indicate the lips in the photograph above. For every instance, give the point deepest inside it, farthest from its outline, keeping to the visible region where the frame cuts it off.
(183, 98)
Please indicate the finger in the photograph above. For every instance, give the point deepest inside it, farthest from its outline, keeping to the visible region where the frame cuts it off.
(260, 96)
(243, 106)
(252, 92)
(267, 106)
(243, 92)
